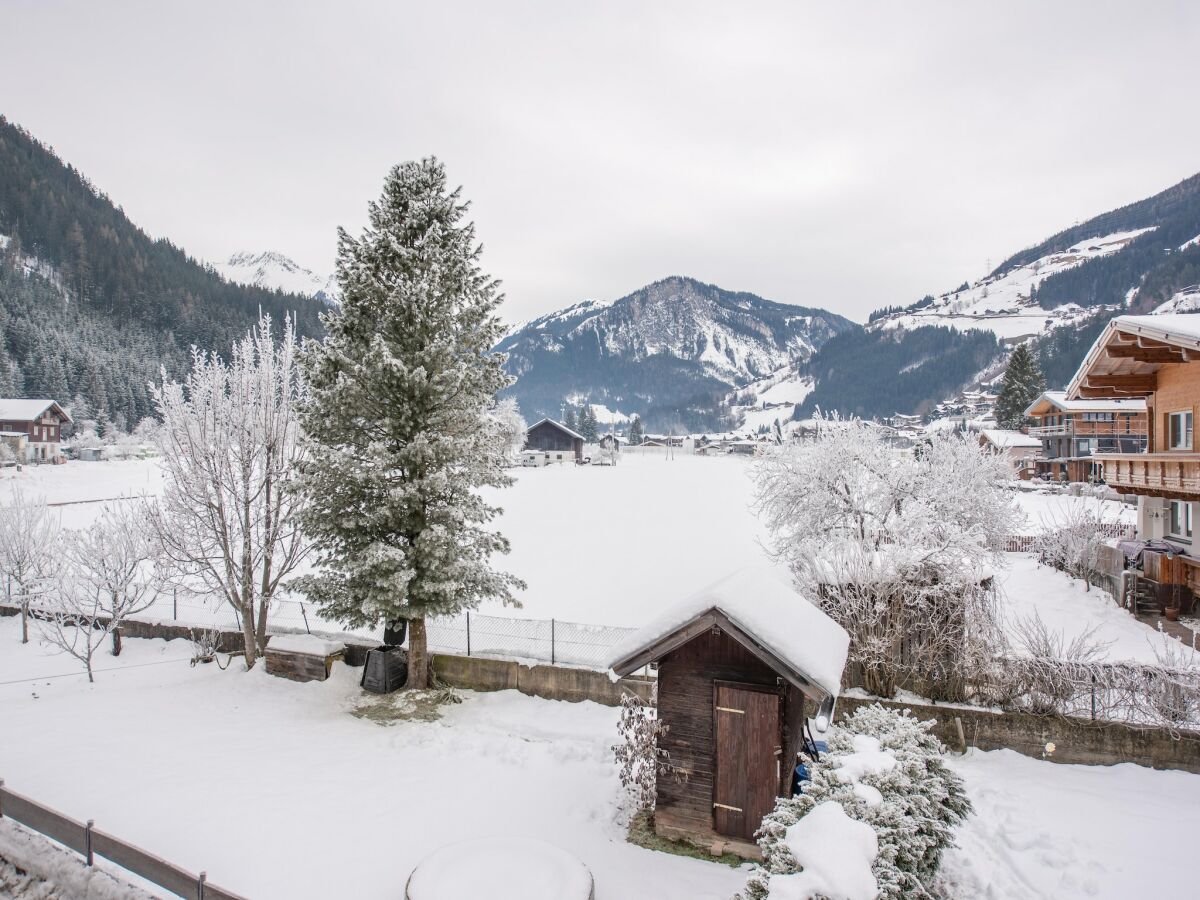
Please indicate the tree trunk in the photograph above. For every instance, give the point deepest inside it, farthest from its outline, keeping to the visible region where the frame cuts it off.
(264, 604)
(24, 623)
(418, 655)
(248, 637)
(116, 636)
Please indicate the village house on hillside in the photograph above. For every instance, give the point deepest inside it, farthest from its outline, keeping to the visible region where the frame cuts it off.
(32, 429)
(1155, 359)
(1072, 432)
(548, 441)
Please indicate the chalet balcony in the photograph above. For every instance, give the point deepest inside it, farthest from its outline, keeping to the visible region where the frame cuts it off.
(1052, 430)
(1169, 475)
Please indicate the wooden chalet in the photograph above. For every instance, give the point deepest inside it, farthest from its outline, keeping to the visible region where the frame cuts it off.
(555, 440)
(1072, 432)
(1155, 359)
(741, 666)
(39, 421)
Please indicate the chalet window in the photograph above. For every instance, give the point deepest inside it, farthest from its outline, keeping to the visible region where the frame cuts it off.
(1098, 417)
(1180, 429)
(1181, 519)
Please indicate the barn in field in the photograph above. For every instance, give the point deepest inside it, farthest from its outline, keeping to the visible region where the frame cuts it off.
(555, 440)
(741, 666)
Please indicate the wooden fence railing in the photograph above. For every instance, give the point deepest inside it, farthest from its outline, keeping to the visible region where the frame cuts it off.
(90, 842)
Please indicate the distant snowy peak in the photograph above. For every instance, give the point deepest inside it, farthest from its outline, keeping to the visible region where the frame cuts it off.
(1004, 303)
(274, 271)
(671, 351)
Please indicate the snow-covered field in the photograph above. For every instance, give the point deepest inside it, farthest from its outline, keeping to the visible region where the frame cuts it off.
(278, 791)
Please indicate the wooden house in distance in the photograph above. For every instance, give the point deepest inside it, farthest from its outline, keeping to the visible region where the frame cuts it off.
(741, 666)
(33, 428)
(554, 440)
(1072, 432)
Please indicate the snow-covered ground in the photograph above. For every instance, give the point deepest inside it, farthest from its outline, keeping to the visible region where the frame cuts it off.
(1062, 603)
(1044, 830)
(278, 791)
(1045, 508)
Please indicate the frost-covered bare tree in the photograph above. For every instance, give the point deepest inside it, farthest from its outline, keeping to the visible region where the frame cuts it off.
(512, 426)
(28, 533)
(76, 624)
(119, 561)
(229, 445)
(896, 545)
(1072, 539)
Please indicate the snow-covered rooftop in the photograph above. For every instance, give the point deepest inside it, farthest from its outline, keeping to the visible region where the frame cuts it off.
(1167, 326)
(1007, 440)
(25, 410)
(1059, 400)
(556, 424)
(768, 610)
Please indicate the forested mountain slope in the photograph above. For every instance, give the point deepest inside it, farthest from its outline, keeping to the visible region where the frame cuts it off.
(91, 304)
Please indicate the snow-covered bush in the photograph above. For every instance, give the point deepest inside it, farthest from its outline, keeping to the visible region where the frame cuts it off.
(511, 427)
(884, 769)
(896, 546)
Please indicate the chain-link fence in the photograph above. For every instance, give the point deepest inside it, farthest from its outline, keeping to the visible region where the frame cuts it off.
(543, 640)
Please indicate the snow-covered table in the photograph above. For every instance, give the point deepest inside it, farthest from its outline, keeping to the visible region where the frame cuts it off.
(302, 657)
(500, 868)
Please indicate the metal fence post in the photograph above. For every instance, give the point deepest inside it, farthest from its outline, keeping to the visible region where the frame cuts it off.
(468, 632)
(87, 841)
(552, 660)
(305, 614)
(175, 604)
(1, 798)
(200, 885)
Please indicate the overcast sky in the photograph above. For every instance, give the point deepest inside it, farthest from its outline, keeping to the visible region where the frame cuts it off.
(838, 155)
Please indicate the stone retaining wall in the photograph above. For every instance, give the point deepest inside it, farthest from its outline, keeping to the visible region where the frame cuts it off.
(1074, 741)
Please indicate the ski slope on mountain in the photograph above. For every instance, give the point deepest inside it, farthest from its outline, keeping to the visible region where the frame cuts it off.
(1004, 304)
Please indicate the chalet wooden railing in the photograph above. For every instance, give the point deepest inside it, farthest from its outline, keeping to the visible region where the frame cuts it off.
(89, 842)
(1051, 430)
(1153, 474)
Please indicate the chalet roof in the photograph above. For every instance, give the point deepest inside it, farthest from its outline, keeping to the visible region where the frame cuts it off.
(1050, 400)
(559, 425)
(763, 613)
(1008, 440)
(14, 410)
(1129, 352)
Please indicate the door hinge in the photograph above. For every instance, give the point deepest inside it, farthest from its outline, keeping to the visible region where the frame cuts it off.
(730, 709)
(724, 806)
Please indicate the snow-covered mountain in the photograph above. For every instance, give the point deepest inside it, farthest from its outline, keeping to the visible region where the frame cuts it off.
(1005, 302)
(669, 352)
(275, 271)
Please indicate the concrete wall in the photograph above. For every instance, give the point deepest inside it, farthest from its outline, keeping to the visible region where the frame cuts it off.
(1074, 741)
(551, 682)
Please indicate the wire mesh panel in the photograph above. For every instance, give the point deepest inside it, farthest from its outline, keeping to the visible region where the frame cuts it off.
(542, 640)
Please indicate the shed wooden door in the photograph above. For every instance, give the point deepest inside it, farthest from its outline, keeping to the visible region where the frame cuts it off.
(746, 733)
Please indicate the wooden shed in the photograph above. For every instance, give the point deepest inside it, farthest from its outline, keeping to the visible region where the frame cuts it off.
(555, 440)
(741, 666)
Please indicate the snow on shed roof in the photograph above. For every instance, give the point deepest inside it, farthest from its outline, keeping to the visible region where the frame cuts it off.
(1059, 399)
(558, 425)
(766, 614)
(1006, 440)
(27, 410)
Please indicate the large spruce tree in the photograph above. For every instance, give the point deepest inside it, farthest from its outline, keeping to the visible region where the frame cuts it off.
(1022, 384)
(400, 440)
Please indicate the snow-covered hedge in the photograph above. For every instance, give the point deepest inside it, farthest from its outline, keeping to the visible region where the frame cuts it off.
(884, 769)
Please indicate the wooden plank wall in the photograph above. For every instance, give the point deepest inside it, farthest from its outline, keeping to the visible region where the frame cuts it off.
(685, 705)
